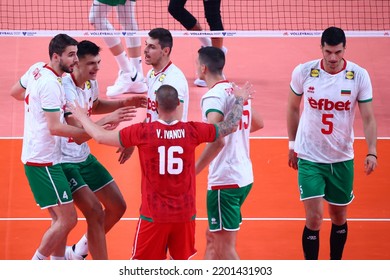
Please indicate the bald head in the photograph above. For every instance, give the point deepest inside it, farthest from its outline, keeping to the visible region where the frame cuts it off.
(167, 98)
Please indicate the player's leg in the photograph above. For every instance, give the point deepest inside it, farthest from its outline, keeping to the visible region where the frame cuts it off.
(224, 216)
(212, 10)
(78, 175)
(311, 181)
(150, 240)
(114, 204)
(51, 191)
(181, 241)
(210, 253)
(93, 212)
(128, 21)
(311, 232)
(127, 75)
(339, 194)
(187, 20)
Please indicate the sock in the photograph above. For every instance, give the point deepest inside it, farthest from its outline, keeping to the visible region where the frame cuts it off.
(39, 256)
(123, 63)
(55, 258)
(81, 247)
(137, 63)
(338, 237)
(310, 243)
(205, 41)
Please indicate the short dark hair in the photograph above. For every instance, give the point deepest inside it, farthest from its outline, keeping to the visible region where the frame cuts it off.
(86, 47)
(333, 36)
(213, 58)
(167, 98)
(164, 37)
(59, 43)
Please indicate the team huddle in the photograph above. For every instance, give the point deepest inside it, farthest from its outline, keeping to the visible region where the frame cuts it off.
(60, 96)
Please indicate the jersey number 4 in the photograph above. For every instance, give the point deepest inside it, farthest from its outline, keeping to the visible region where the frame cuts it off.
(168, 162)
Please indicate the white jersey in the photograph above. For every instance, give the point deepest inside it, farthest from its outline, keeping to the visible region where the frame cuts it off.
(325, 131)
(170, 75)
(72, 152)
(44, 93)
(232, 167)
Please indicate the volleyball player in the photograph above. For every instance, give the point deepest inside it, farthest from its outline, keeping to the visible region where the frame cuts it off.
(44, 98)
(321, 139)
(167, 158)
(91, 184)
(230, 177)
(157, 52)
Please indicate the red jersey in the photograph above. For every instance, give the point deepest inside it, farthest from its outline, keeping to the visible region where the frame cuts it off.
(167, 158)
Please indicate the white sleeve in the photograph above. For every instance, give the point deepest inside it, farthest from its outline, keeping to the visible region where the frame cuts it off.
(296, 84)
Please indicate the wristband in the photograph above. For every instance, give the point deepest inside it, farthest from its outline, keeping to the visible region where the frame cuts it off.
(291, 145)
(375, 156)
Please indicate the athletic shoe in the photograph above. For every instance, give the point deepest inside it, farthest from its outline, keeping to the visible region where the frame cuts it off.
(71, 255)
(200, 83)
(126, 83)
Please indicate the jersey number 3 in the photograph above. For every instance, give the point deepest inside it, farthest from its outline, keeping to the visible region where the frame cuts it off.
(168, 162)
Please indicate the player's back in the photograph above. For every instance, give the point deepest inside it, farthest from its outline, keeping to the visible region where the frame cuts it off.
(167, 157)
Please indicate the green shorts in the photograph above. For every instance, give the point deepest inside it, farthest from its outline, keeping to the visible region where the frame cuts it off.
(332, 181)
(48, 185)
(89, 173)
(224, 208)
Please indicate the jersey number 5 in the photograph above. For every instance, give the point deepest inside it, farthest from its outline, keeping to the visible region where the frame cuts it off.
(168, 162)
(326, 120)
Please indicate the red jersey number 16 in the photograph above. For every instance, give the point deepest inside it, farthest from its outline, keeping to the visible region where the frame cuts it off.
(168, 162)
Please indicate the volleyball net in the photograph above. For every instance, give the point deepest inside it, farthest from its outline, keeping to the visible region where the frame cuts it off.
(241, 18)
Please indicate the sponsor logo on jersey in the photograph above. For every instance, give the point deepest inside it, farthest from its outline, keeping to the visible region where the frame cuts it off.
(310, 89)
(328, 105)
(349, 75)
(162, 77)
(152, 105)
(88, 84)
(315, 73)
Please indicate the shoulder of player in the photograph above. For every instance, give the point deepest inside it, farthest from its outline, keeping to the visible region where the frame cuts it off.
(219, 90)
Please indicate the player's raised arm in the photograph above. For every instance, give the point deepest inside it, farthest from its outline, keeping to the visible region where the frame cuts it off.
(101, 135)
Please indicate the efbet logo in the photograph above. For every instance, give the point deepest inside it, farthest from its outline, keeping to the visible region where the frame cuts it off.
(328, 105)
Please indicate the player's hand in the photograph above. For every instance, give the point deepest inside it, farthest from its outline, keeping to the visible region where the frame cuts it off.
(138, 101)
(110, 126)
(121, 115)
(370, 163)
(125, 154)
(246, 91)
(77, 110)
(292, 159)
